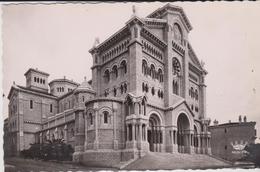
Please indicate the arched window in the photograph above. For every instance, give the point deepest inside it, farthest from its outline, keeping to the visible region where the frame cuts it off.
(175, 87)
(176, 66)
(178, 36)
(41, 80)
(34, 79)
(115, 71)
(91, 118)
(146, 88)
(125, 87)
(38, 80)
(123, 67)
(51, 108)
(152, 71)
(196, 94)
(160, 75)
(122, 89)
(144, 67)
(114, 92)
(106, 76)
(159, 93)
(153, 91)
(105, 113)
(31, 104)
(192, 92)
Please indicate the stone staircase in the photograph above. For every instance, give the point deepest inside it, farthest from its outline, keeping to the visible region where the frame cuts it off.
(168, 161)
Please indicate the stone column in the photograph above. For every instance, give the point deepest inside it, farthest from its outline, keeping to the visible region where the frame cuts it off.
(133, 135)
(96, 142)
(115, 126)
(86, 132)
(136, 108)
(140, 132)
(127, 132)
(66, 134)
(41, 141)
(146, 132)
(56, 133)
(80, 130)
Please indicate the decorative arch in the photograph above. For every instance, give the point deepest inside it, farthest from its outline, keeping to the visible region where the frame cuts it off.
(144, 67)
(156, 113)
(184, 126)
(115, 71)
(178, 33)
(160, 75)
(153, 71)
(123, 67)
(155, 135)
(176, 66)
(106, 76)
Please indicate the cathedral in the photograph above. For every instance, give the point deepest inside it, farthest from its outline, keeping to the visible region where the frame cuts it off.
(147, 94)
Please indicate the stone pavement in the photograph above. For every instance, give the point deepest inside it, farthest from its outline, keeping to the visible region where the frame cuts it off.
(167, 161)
(16, 164)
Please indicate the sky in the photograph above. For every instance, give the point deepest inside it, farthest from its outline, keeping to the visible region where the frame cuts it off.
(56, 39)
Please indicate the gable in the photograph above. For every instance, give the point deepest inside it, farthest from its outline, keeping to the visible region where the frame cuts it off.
(193, 58)
(182, 105)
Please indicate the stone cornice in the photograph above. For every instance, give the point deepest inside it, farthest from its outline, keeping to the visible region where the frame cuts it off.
(32, 122)
(37, 71)
(178, 48)
(98, 99)
(168, 7)
(233, 124)
(64, 80)
(119, 35)
(155, 22)
(152, 38)
(35, 92)
(194, 56)
(195, 69)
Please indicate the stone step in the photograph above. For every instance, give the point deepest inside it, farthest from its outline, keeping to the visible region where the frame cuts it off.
(156, 161)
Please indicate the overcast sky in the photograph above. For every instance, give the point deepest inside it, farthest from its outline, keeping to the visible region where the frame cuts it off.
(56, 39)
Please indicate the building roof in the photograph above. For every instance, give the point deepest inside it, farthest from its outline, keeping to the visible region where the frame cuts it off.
(233, 124)
(36, 70)
(33, 91)
(84, 86)
(64, 80)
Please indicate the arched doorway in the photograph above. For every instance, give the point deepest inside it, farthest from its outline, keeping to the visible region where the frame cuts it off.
(154, 133)
(183, 135)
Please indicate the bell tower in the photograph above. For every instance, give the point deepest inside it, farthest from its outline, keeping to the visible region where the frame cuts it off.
(36, 79)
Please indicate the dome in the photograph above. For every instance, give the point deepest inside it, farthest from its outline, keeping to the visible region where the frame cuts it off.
(84, 86)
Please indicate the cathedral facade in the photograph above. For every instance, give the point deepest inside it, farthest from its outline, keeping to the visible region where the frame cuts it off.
(150, 93)
(147, 93)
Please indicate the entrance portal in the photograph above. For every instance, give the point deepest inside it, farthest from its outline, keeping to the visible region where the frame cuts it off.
(154, 133)
(183, 135)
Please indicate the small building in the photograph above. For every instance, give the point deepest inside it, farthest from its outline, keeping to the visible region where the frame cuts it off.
(229, 140)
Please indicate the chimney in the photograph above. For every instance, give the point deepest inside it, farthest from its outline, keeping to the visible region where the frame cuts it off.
(244, 118)
(240, 119)
(215, 122)
(229, 121)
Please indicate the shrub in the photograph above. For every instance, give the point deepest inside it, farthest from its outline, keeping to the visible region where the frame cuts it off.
(51, 150)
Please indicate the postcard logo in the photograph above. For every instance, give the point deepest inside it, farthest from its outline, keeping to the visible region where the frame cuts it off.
(238, 147)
